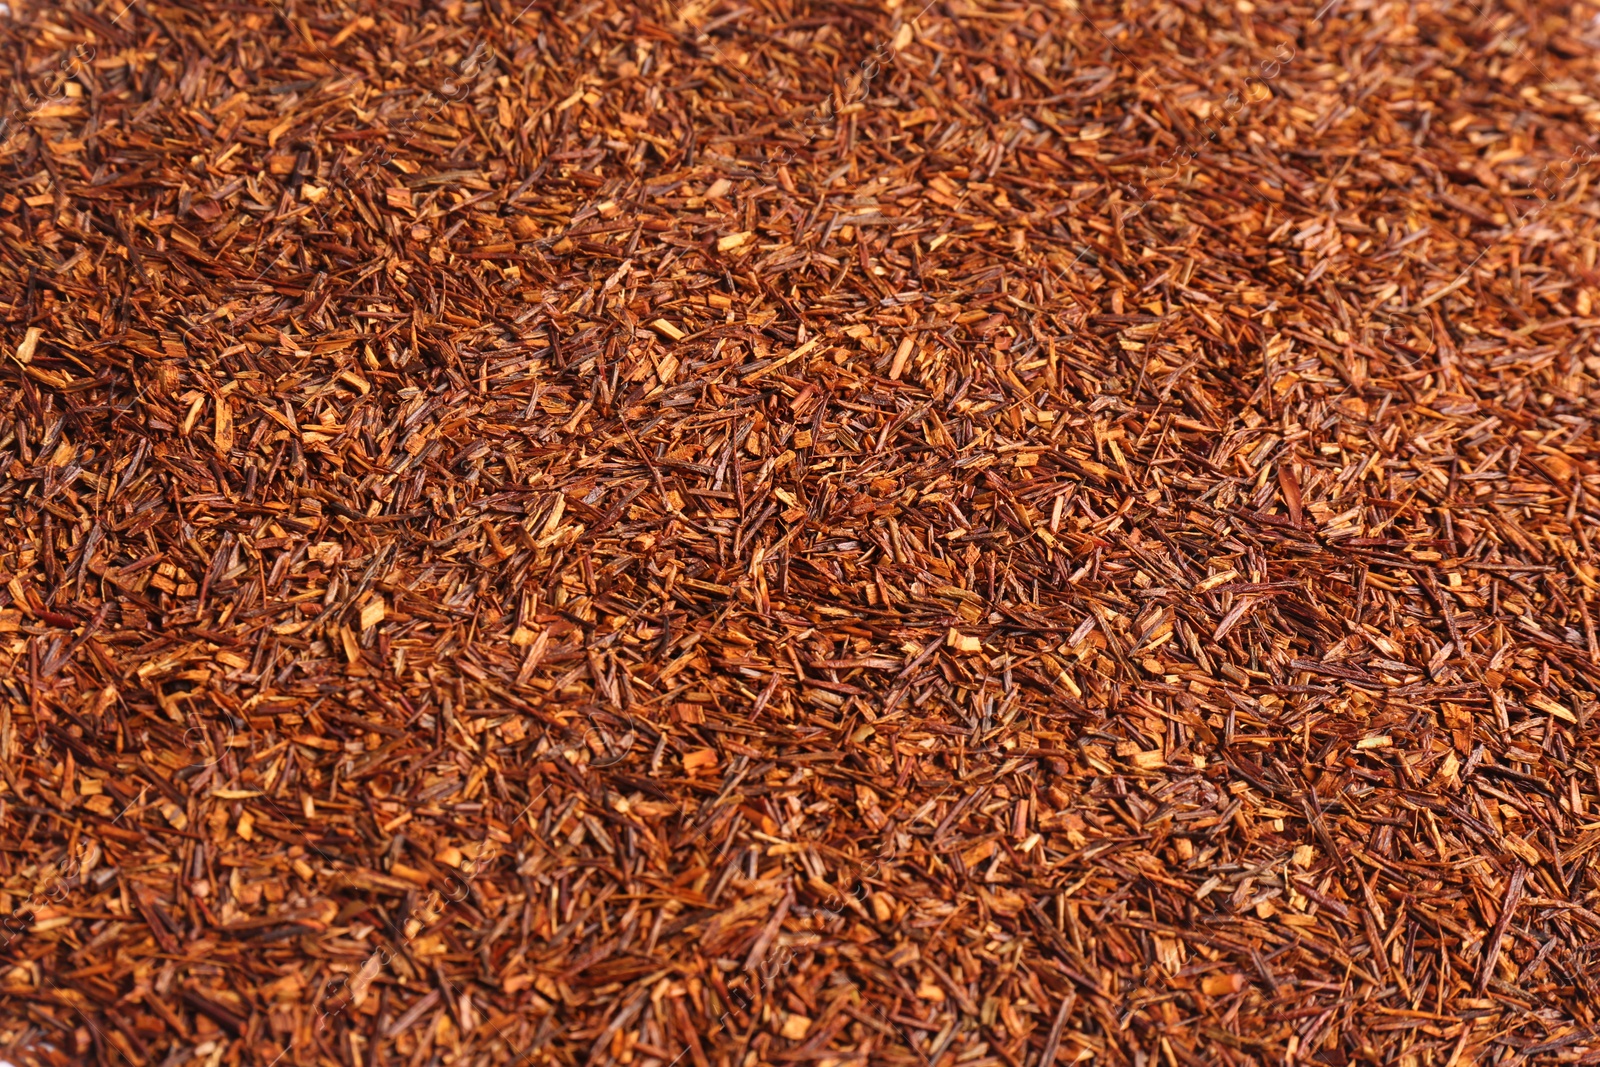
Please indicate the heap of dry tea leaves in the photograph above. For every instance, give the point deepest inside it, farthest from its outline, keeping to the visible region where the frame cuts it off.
(775, 532)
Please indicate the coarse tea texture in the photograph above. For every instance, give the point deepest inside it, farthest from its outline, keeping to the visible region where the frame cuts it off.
(994, 534)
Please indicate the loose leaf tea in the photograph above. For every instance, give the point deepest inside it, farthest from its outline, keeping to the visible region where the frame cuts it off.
(725, 534)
